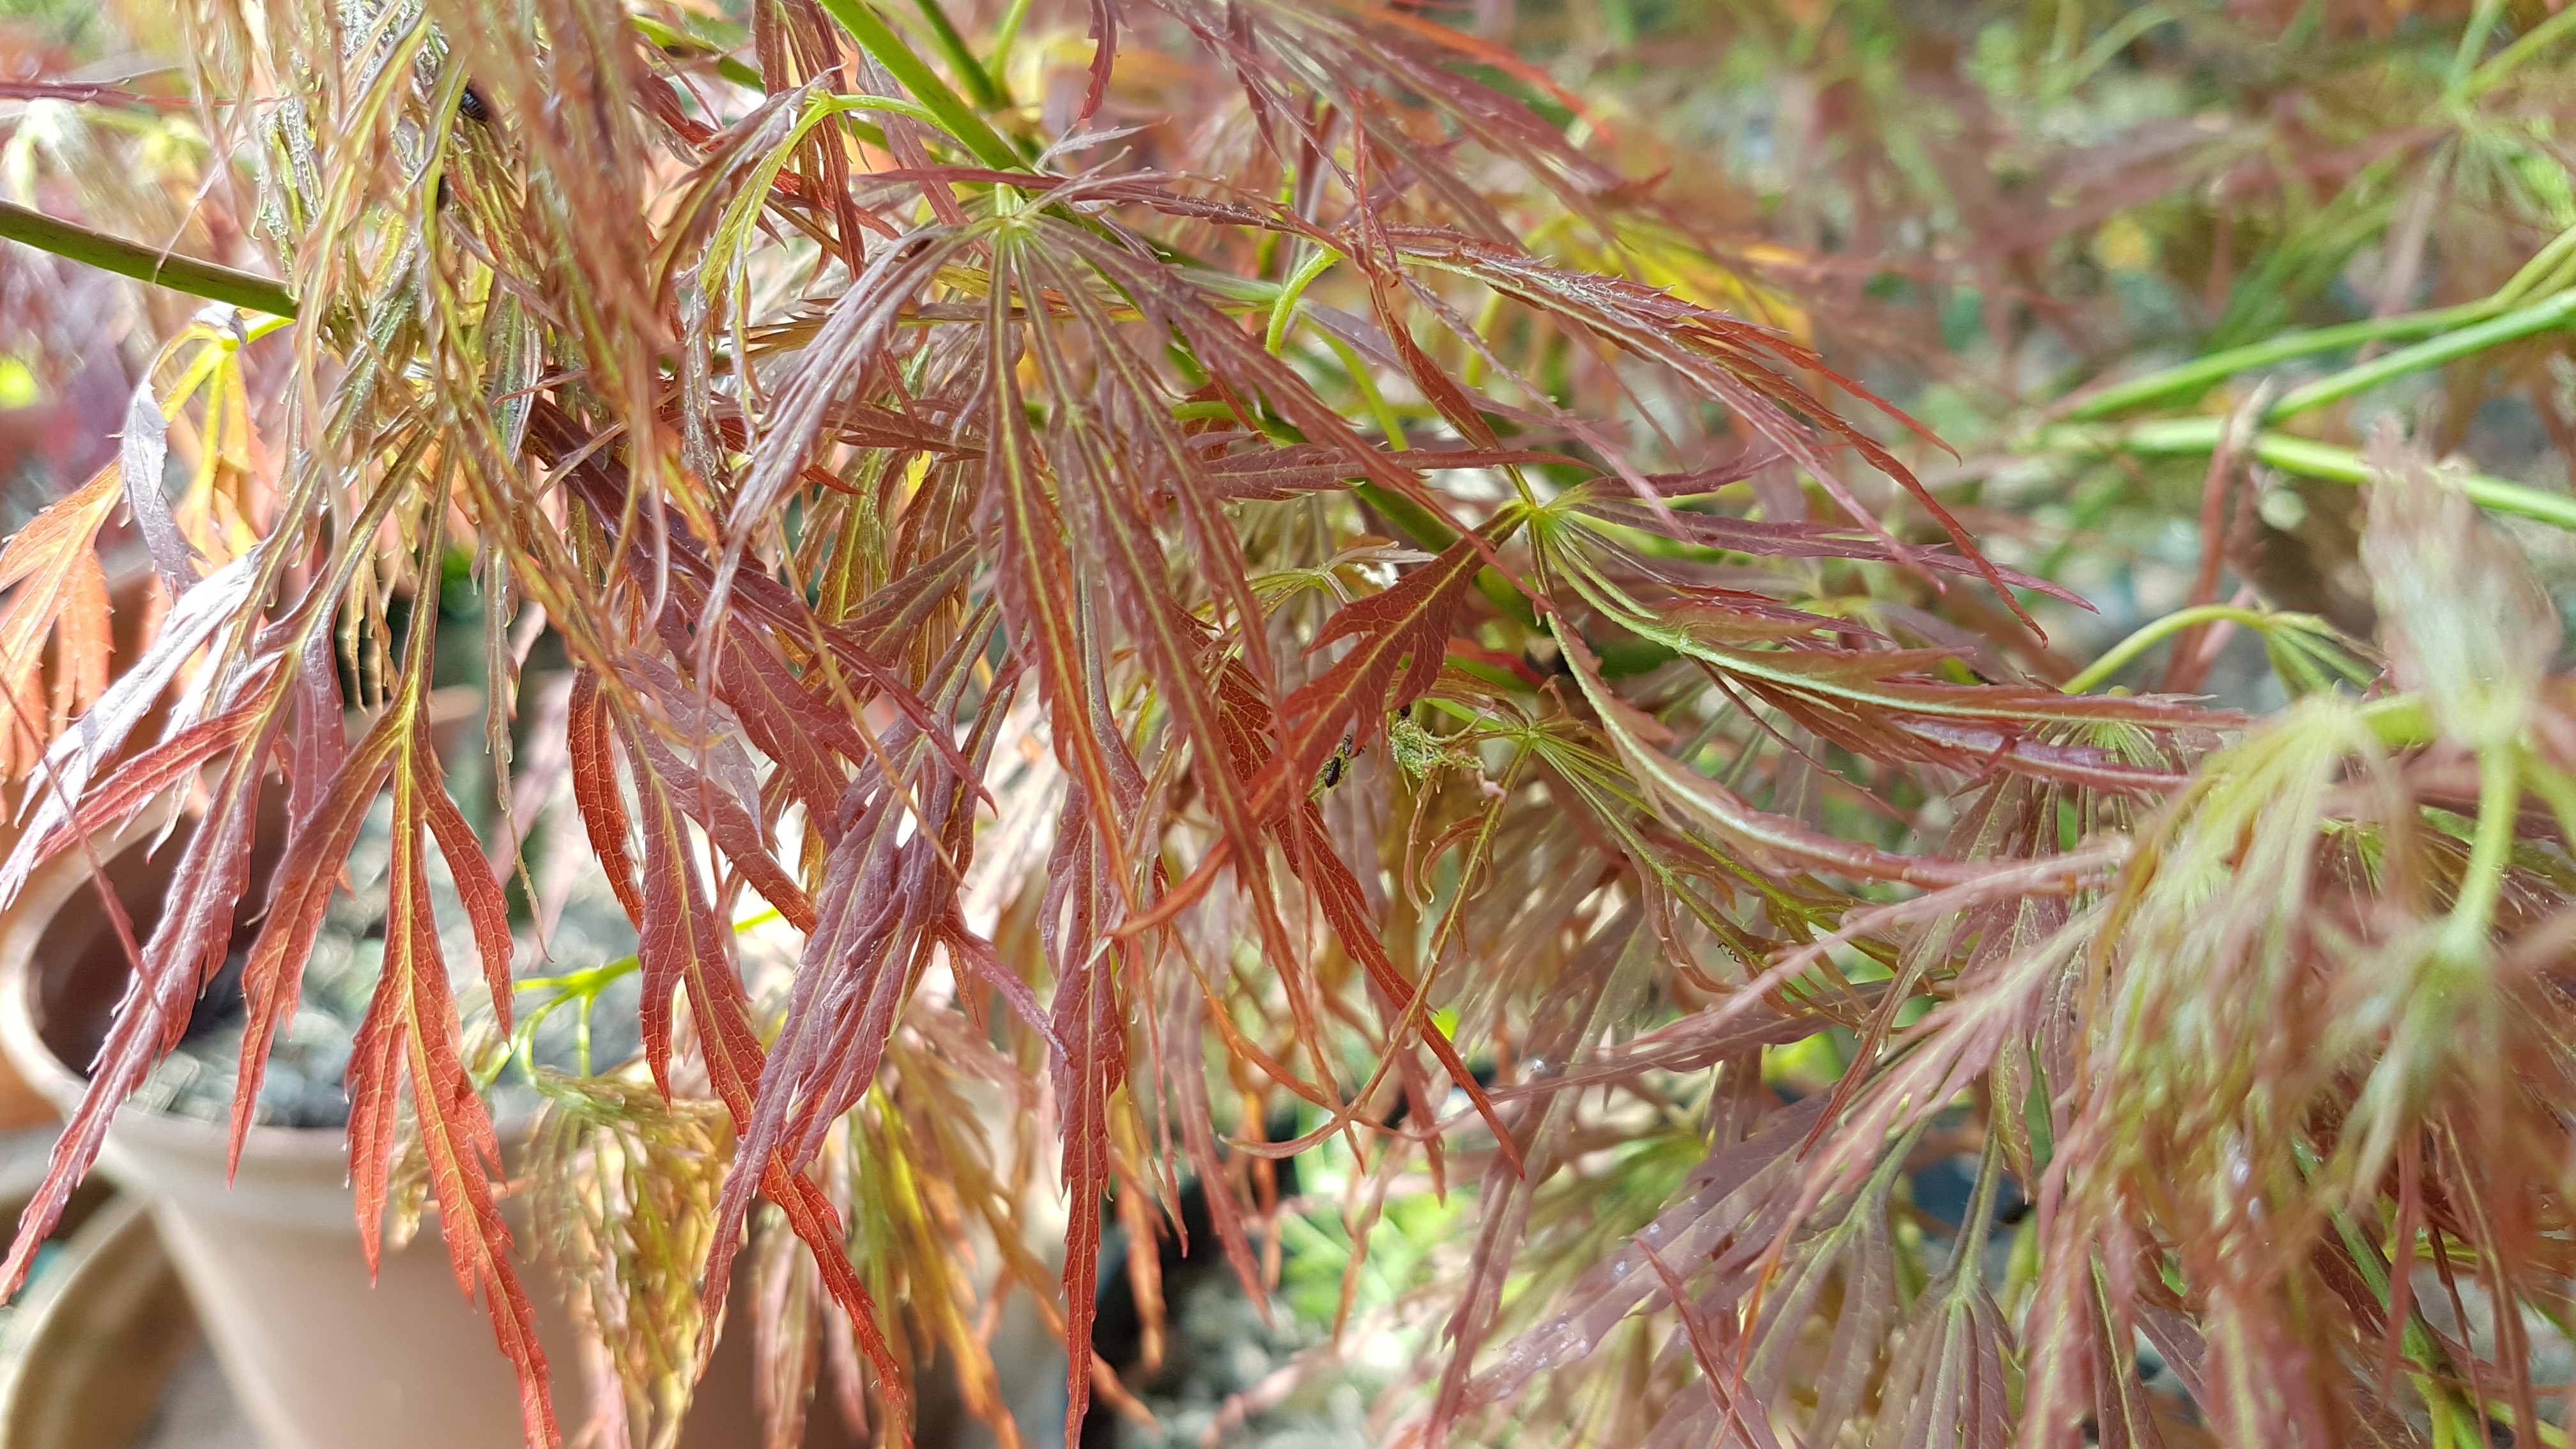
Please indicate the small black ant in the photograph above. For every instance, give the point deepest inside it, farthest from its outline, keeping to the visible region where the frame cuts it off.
(470, 105)
(1339, 765)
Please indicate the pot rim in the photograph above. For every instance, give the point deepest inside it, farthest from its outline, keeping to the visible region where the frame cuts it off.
(51, 888)
(53, 1305)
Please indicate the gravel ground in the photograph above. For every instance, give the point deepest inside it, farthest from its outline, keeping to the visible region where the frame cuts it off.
(304, 1085)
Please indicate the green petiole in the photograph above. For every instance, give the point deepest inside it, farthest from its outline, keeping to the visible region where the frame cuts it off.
(583, 987)
(680, 42)
(1283, 310)
(2306, 457)
(953, 114)
(2120, 655)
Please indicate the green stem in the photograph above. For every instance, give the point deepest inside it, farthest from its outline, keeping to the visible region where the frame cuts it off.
(2541, 273)
(681, 43)
(1379, 408)
(2311, 459)
(583, 987)
(2539, 317)
(2548, 270)
(890, 105)
(2105, 46)
(1419, 526)
(2144, 639)
(2400, 721)
(1471, 373)
(961, 58)
(2510, 59)
(1284, 310)
(1006, 35)
(2216, 368)
(144, 264)
(2178, 437)
(588, 981)
(959, 119)
(2464, 61)
(2490, 849)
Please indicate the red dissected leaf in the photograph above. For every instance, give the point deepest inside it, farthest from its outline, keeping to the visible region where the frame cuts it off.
(1095, 1063)
(310, 870)
(683, 939)
(725, 803)
(58, 593)
(763, 602)
(485, 907)
(321, 740)
(1272, 473)
(94, 740)
(1454, 403)
(1116, 449)
(786, 1334)
(411, 1033)
(594, 788)
(187, 946)
(1338, 892)
(1746, 367)
(1893, 681)
(1184, 1037)
(1721, 1219)
(863, 323)
(812, 1218)
(1713, 1347)
(734, 1059)
(376, 1061)
(888, 898)
(1034, 572)
(1884, 704)
(863, 970)
(1098, 460)
(1353, 58)
(787, 723)
(82, 641)
(1974, 748)
(1785, 539)
(1405, 628)
(61, 531)
(1104, 54)
(984, 965)
(857, 965)
(1090, 1022)
(1242, 369)
(895, 611)
(794, 720)
(685, 947)
(1696, 796)
(867, 425)
(146, 776)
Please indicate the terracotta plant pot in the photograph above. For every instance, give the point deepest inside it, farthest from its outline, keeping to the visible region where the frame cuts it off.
(130, 582)
(91, 1347)
(318, 1357)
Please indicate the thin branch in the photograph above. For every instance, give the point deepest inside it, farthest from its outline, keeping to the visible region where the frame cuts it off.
(145, 264)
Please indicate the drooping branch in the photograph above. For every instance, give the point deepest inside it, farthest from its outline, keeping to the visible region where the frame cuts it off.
(30, 227)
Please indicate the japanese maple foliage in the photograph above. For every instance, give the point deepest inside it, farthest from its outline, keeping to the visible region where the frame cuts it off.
(1226, 566)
